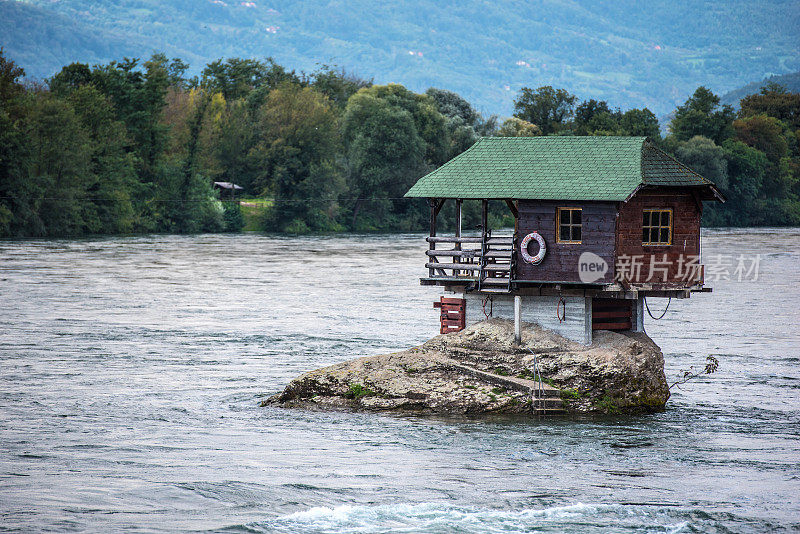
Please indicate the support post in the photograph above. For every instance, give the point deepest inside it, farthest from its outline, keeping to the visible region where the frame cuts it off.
(457, 246)
(637, 315)
(484, 244)
(517, 319)
(513, 208)
(432, 202)
(485, 217)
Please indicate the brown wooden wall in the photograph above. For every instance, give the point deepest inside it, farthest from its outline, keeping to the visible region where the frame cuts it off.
(685, 237)
(561, 261)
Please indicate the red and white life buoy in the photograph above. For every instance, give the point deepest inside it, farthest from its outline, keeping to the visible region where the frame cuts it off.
(523, 248)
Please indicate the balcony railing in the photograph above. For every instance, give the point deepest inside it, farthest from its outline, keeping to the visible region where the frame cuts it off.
(488, 263)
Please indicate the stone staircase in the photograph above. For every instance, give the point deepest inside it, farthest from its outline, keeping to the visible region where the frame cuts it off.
(545, 399)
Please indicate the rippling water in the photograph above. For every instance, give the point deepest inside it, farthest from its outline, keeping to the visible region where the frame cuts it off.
(131, 370)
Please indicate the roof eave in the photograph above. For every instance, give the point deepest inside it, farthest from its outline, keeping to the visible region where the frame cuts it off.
(471, 196)
(636, 190)
(712, 193)
(715, 194)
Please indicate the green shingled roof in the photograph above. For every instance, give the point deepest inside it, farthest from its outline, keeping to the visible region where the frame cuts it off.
(555, 168)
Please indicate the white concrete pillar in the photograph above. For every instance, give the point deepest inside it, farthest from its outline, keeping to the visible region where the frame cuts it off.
(517, 319)
(637, 315)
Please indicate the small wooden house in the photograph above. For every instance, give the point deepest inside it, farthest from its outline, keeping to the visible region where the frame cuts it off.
(600, 224)
(230, 187)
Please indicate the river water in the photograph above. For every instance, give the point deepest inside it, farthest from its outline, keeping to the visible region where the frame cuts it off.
(131, 371)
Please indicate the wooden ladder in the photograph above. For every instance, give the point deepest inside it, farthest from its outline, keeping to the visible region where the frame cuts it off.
(497, 261)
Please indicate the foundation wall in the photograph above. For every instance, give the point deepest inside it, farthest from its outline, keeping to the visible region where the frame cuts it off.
(575, 311)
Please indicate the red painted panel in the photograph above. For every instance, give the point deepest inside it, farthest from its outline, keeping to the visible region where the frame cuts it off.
(453, 316)
(675, 269)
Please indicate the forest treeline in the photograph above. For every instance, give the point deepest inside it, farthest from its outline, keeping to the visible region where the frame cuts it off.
(133, 147)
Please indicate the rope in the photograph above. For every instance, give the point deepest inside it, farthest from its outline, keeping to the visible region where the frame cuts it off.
(491, 306)
(651, 314)
(561, 317)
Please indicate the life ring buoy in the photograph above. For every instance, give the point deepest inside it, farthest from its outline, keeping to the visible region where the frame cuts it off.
(523, 248)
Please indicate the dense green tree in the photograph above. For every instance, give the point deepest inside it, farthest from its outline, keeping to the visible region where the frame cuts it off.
(605, 123)
(189, 173)
(514, 127)
(236, 77)
(134, 146)
(10, 75)
(586, 110)
(138, 95)
(176, 117)
(774, 101)
(337, 84)
(60, 150)
(79, 176)
(111, 176)
(766, 134)
(233, 218)
(430, 125)
(640, 122)
(461, 119)
(545, 107)
(594, 117)
(176, 69)
(16, 192)
(185, 202)
(434, 130)
(71, 77)
(705, 158)
(702, 115)
(233, 149)
(385, 152)
(15, 202)
(298, 145)
(452, 105)
(747, 167)
(187, 215)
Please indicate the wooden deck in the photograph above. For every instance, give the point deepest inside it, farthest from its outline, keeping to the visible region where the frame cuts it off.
(461, 284)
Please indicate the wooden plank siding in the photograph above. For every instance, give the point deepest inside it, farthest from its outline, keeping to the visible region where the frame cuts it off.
(686, 212)
(560, 264)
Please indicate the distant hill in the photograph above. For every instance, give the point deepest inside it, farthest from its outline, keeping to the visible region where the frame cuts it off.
(790, 81)
(628, 52)
(41, 40)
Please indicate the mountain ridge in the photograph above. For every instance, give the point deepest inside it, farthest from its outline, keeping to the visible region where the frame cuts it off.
(790, 81)
(622, 52)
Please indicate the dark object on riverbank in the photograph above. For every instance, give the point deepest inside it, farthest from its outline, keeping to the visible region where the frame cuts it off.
(481, 370)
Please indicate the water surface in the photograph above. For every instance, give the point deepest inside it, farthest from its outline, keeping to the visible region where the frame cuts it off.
(131, 371)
